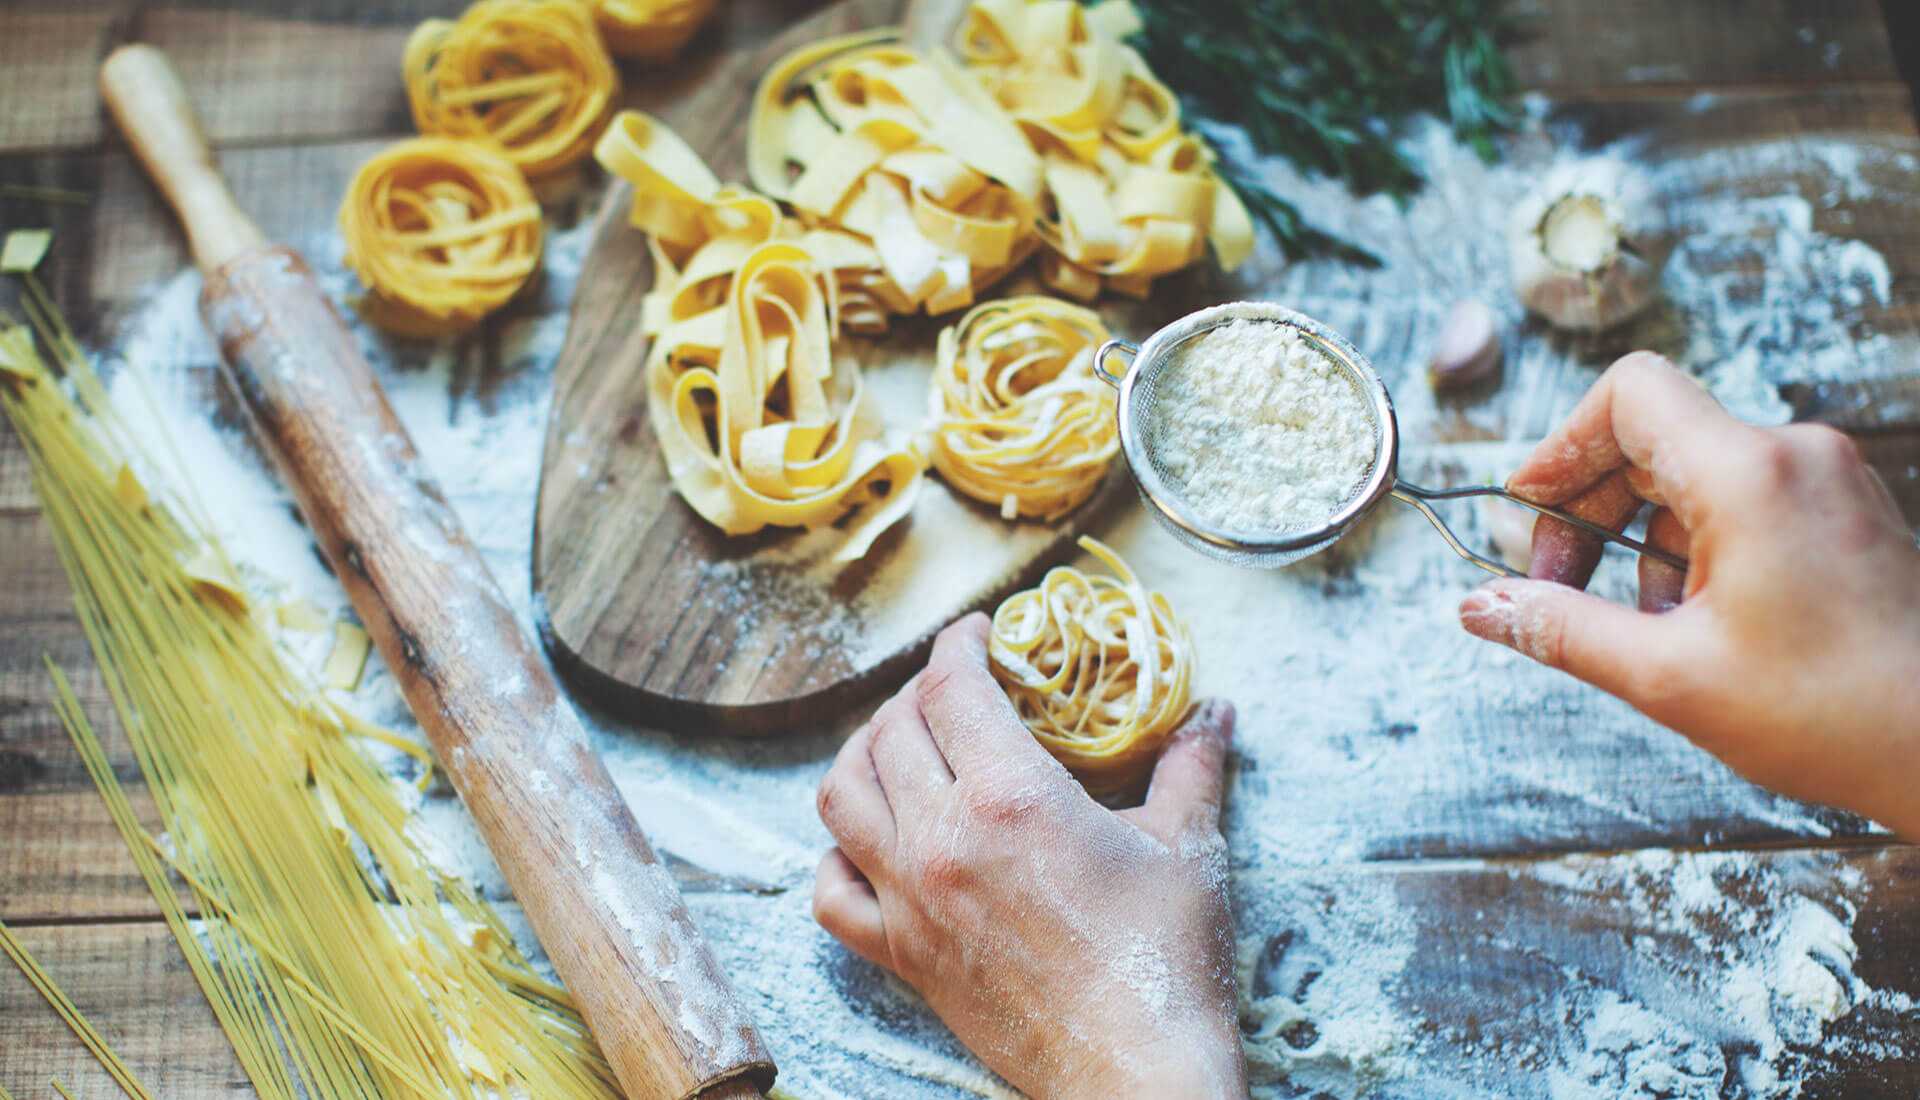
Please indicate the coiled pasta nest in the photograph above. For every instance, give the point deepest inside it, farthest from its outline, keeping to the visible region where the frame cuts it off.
(1019, 420)
(651, 30)
(1098, 668)
(530, 77)
(442, 233)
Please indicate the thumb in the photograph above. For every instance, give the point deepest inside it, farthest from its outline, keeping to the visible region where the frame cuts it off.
(1576, 632)
(1188, 779)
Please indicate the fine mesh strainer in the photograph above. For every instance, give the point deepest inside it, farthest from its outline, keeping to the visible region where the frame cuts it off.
(1270, 549)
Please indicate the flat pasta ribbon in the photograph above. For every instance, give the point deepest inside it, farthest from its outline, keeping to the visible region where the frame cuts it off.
(1019, 420)
(756, 422)
(1132, 196)
(907, 156)
(1098, 668)
(651, 30)
(1052, 137)
(442, 233)
(530, 77)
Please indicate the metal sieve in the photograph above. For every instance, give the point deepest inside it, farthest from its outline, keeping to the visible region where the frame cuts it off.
(1270, 549)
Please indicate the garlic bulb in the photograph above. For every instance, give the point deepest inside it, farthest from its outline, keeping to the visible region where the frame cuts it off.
(1587, 245)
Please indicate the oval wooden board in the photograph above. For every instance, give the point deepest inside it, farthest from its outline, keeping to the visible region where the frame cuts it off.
(662, 617)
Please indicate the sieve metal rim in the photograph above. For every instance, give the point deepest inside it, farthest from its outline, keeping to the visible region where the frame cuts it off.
(1380, 480)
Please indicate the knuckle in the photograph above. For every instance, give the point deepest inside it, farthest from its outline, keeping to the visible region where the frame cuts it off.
(1771, 465)
(935, 685)
(1828, 443)
(829, 798)
(942, 870)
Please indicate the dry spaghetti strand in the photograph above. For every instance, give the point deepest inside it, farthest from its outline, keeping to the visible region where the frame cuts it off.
(1098, 668)
(1019, 420)
(71, 1015)
(442, 233)
(337, 960)
(530, 77)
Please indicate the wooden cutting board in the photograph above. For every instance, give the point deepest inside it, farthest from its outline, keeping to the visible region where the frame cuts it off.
(664, 618)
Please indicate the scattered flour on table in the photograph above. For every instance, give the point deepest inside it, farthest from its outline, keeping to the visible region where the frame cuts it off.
(1364, 711)
(1257, 429)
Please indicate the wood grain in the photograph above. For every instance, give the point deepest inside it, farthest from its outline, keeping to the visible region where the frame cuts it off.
(664, 617)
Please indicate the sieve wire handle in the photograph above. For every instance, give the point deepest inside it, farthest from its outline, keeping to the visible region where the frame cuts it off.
(1421, 500)
(1100, 360)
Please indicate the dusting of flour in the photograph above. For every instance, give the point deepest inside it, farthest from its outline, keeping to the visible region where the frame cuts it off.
(1373, 734)
(1258, 429)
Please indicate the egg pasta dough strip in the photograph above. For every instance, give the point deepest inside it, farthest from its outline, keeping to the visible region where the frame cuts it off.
(1049, 134)
(442, 232)
(1098, 668)
(70, 1015)
(337, 960)
(757, 423)
(1018, 419)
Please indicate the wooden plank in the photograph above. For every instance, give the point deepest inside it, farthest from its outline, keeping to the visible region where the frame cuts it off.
(133, 984)
(1570, 49)
(1485, 977)
(321, 70)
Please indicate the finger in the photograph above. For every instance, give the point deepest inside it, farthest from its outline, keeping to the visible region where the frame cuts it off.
(1643, 412)
(853, 806)
(845, 904)
(1190, 776)
(1662, 587)
(1563, 553)
(966, 711)
(909, 764)
(1608, 646)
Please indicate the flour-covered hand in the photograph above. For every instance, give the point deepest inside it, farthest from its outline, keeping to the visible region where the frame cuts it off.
(1790, 647)
(1076, 950)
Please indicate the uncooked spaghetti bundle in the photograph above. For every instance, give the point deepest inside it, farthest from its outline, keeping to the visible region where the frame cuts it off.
(442, 232)
(530, 77)
(1098, 668)
(1019, 420)
(651, 30)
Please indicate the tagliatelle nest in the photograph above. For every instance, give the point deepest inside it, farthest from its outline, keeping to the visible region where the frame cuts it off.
(530, 77)
(1098, 668)
(1019, 420)
(651, 30)
(442, 233)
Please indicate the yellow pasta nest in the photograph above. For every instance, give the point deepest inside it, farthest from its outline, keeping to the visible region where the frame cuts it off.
(651, 30)
(1098, 668)
(530, 77)
(442, 233)
(1050, 135)
(756, 422)
(1019, 420)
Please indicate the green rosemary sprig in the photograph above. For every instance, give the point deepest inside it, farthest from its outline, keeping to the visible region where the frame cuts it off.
(1324, 83)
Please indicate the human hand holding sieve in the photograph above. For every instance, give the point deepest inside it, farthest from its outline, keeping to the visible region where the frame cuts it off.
(1790, 647)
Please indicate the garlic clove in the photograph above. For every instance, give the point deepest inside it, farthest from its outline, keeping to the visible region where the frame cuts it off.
(1588, 245)
(1468, 349)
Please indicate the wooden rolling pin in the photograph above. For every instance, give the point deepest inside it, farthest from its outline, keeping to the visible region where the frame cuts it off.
(606, 910)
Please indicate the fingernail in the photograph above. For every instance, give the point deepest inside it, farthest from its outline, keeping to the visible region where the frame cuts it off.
(1487, 613)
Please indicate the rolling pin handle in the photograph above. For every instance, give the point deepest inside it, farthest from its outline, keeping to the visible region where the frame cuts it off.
(151, 106)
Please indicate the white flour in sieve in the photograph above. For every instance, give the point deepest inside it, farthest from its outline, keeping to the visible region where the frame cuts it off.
(1258, 430)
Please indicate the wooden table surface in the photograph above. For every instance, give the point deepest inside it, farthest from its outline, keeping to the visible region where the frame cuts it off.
(296, 95)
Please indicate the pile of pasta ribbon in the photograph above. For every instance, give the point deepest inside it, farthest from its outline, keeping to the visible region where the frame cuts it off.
(441, 232)
(1048, 134)
(529, 77)
(651, 30)
(1098, 668)
(1019, 420)
(756, 422)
